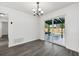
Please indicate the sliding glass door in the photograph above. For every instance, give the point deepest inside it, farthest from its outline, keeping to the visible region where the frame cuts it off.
(48, 30)
(54, 30)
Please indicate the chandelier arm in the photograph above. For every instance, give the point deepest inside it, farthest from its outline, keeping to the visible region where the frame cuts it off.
(37, 8)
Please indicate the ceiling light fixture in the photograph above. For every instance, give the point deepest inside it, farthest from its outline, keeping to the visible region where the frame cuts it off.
(2, 14)
(37, 11)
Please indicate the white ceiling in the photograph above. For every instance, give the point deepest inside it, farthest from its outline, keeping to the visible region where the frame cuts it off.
(27, 6)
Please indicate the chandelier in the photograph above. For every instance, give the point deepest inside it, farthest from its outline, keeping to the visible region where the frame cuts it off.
(37, 11)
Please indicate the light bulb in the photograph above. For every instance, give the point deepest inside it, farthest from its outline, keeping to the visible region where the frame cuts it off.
(33, 9)
(39, 9)
(42, 12)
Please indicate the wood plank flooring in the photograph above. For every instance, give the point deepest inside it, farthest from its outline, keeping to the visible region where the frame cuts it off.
(36, 48)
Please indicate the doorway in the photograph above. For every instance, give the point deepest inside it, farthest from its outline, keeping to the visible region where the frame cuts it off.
(3, 30)
(55, 30)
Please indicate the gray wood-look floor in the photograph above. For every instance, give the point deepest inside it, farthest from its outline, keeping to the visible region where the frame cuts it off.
(35, 48)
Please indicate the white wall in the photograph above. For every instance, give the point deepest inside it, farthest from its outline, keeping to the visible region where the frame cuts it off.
(0, 29)
(25, 27)
(71, 25)
(4, 28)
